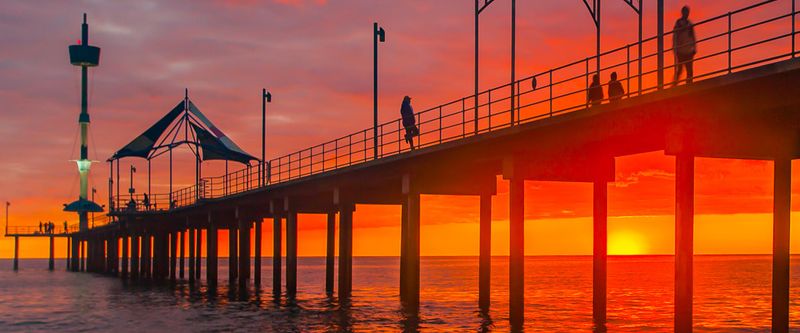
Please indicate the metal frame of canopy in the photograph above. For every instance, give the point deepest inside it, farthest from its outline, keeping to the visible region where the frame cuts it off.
(184, 125)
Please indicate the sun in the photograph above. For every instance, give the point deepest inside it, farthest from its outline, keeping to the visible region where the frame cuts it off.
(626, 242)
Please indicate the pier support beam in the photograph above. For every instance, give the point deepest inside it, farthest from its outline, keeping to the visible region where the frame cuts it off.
(81, 255)
(233, 248)
(600, 254)
(173, 256)
(124, 273)
(517, 253)
(182, 250)
(211, 255)
(198, 254)
(291, 255)
(16, 253)
(135, 256)
(403, 247)
(411, 279)
(345, 251)
(257, 254)
(330, 253)
(145, 258)
(684, 241)
(276, 255)
(244, 252)
(780, 244)
(51, 265)
(70, 254)
(485, 260)
(192, 275)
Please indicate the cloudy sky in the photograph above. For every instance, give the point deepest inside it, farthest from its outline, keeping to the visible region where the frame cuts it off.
(315, 56)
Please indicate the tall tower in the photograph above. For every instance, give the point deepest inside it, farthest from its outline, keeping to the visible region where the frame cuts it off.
(85, 56)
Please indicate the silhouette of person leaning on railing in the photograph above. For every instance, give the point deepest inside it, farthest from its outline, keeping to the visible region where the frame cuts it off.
(409, 123)
(684, 45)
(615, 90)
(146, 202)
(594, 95)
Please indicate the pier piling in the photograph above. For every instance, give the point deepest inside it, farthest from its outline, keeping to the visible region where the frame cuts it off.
(684, 241)
(233, 248)
(780, 244)
(485, 260)
(291, 255)
(257, 254)
(192, 275)
(212, 255)
(517, 253)
(276, 255)
(330, 247)
(16, 253)
(52, 262)
(600, 253)
(345, 251)
(244, 251)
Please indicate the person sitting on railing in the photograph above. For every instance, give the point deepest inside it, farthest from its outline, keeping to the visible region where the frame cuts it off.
(409, 123)
(684, 45)
(146, 202)
(615, 90)
(595, 92)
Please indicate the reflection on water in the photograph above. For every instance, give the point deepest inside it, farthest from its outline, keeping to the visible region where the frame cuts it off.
(731, 293)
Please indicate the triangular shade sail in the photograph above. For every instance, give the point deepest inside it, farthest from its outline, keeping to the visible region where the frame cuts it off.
(215, 145)
(143, 144)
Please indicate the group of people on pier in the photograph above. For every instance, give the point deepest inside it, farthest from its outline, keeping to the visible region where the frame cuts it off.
(49, 227)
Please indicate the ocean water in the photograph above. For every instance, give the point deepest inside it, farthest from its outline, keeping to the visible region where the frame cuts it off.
(732, 294)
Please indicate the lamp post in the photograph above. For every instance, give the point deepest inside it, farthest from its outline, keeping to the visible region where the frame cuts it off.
(479, 8)
(7, 205)
(378, 36)
(266, 97)
(132, 190)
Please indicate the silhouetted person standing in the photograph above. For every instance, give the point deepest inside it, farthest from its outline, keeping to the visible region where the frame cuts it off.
(595, 93)
(409, 123)
(684, 45)
(615, 90)
(146, 202)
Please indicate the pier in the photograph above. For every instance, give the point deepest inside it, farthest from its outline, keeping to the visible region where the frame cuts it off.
(537, 128)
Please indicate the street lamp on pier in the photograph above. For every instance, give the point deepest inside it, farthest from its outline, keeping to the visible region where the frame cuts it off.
(379, 36)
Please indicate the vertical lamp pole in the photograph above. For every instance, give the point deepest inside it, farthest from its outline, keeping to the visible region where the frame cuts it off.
(266, 97)
(379, 36)
(660, 55)
(7, 204)
(478, 10)
(132, 190)
(513, 60)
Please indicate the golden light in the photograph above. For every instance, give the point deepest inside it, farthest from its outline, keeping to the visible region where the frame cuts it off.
(626, 242)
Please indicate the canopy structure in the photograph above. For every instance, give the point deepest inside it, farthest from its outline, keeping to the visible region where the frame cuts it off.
(185, 124)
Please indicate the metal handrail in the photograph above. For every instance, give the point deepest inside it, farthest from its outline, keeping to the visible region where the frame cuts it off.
(559, 90)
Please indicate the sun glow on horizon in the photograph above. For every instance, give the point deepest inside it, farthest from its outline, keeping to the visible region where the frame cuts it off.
(626, 242)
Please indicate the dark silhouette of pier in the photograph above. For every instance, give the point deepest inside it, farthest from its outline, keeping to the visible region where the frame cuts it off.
(743, 104)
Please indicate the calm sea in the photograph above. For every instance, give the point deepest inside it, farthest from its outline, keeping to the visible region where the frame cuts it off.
(732, 294)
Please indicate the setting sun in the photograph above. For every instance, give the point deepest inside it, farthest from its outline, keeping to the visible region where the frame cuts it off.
(626, 243)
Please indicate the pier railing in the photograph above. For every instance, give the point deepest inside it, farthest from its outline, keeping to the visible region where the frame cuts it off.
(749, 37)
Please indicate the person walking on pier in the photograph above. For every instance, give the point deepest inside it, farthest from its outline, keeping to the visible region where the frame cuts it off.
(65, 227)
(684, 45)
(146, 202)
(615, 90)
(409, 123)
(40, 227)
(595, 92)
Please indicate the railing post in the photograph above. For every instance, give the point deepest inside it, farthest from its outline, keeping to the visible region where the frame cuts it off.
(628, 74)
(550, 83)
(729, 41)
(794, 10)
(440, 124)
(489, 105)
(463, 119)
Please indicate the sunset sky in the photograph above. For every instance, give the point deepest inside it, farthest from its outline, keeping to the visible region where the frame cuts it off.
(315, 56)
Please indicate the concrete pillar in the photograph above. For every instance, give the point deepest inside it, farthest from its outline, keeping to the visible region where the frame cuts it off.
(182, 253)
(485, 260)
(16, 253)
(52, 262)
(211, 255)
(600, 253)
(403, 247)
(145, 258)
(156, 256)
(124, 265)
(69, 253)
(257, 254)
(412, 278)
(198, 254)
(233, 249)
(192, 261)
(345, 251)
(330, 253)
(82, 255)
(173, 256)
(244, 251)
(135, 256)
(291, 254)
(684, 241)
(276, 255)
(516, 275)
(780, 244)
